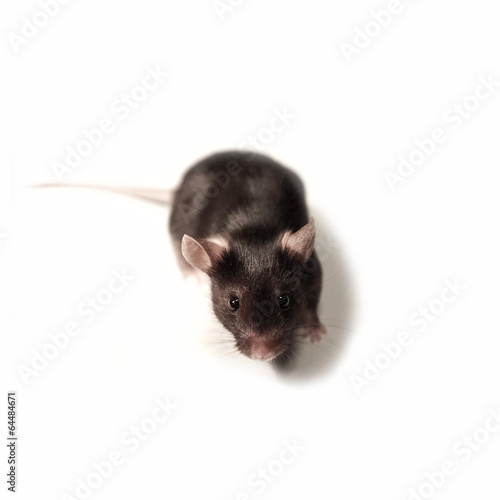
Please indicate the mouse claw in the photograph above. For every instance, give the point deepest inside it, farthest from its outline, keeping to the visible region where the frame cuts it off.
(315, 332)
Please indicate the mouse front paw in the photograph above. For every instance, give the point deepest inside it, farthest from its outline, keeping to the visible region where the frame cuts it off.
(315, 332)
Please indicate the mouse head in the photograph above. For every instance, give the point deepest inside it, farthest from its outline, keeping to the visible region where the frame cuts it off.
(258, 289)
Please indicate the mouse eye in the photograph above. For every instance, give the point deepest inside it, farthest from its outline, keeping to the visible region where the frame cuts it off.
(284, 301)
(234, 303)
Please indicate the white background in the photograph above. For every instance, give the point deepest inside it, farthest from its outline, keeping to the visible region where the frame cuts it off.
(391, 251)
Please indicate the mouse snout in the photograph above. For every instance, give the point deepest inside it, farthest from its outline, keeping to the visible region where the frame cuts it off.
(261, 351)
(262, 348)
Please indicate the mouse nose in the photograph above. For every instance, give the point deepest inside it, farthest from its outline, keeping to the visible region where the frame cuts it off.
(261, 350)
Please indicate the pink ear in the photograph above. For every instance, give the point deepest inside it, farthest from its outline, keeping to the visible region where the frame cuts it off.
(204, 253)
(302, 242)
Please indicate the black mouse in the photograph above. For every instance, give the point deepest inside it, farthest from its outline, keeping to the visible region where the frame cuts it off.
(242, 219)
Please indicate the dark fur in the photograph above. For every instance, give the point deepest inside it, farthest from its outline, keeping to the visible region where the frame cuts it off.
(251, 210)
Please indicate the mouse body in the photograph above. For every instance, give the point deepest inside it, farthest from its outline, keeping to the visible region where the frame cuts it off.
(241, 218)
